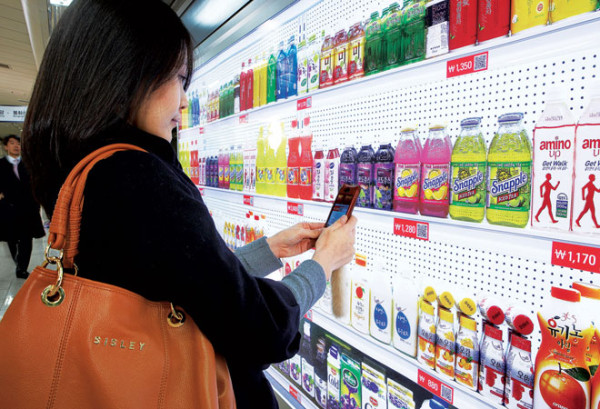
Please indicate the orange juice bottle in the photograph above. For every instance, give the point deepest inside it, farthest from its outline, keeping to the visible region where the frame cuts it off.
(445, 346)
(562, 378)
(426, 333)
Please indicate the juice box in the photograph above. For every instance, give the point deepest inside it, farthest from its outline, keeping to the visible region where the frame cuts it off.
(463, 23)
(374, 390)
(493, 365)
(561, 9)
(525, 14)
(399, 397)
(445, 346)
(333, 378)
(493, 19)
(296, 368)
(350, 390)
(426, 334)
(587, 168)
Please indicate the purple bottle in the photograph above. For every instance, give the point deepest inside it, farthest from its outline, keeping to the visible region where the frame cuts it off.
(348, 166)
(364, 175)
(384, 178)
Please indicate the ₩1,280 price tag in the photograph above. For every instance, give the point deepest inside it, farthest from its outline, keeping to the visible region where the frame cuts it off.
(411, 228)
(575, 256)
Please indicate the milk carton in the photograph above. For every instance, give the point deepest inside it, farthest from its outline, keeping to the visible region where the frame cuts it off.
(553, 160)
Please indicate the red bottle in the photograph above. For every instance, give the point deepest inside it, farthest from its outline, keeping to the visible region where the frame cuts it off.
(463, 23)
(493, 19)
(293, 163)
(243, 85)
(306, 162)
(249, 85)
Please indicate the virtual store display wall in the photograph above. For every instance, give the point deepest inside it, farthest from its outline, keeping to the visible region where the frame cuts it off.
(479, 285)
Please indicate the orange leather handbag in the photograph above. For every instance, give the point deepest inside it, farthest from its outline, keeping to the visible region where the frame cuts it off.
(69, 342)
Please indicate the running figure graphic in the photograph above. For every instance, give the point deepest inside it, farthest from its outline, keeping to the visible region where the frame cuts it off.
(546, 195)
(589, 200)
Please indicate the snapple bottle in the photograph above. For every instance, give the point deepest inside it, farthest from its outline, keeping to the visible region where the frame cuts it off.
(407, 162)
(435, 173)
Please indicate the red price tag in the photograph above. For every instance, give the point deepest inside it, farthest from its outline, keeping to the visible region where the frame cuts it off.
(304, 103)
(295, 208)
(294, 393)
(574, 256)
(201, 189)
(244, 119)
(309, 315)
(411, 228)
(467, 65)
(249, 200)
(435, 386)
(201, 131)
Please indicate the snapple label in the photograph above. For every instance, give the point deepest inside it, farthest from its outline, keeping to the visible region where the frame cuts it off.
(365, 182)
(587, 179)
(551, 200)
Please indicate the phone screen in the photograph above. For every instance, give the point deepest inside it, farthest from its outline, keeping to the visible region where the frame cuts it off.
(344, 204)
(337, 211)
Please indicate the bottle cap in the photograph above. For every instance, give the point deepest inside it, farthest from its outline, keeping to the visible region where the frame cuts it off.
(522, 324)
(408, 129)
(429, 294)
(565, 294)
(427, 308)
(470, 122)
(445, 315)
(512, 117)
(446, 300)
(493, 314)
(493, 332)
(468, 323)
(467, 306)
(588, 290)
(520, 342)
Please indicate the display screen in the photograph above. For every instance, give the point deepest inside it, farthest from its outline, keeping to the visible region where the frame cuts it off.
(337, 211)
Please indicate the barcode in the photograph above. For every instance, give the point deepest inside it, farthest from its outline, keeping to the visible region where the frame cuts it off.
(423, 231)
(446, 393)
(480, 62)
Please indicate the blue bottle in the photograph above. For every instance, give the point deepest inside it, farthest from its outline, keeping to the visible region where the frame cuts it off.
(383, 191)
(282, 70)
(364, 176)
(292, 67)
(348, 166)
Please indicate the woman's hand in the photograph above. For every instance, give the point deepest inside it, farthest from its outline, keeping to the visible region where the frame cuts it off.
(335, 246)
(295, 240)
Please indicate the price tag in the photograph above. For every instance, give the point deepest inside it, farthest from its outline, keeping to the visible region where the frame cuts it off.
(244, 119)
(201, 189)
(435, 386)
(411, 228)
(249, 200)
(201, 130)
(574, 256)
(309, 315)
(295, 393)
(295, 208)
(304, 103)
(467, 65)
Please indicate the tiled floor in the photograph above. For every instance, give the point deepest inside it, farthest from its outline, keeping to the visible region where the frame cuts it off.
(9, 283)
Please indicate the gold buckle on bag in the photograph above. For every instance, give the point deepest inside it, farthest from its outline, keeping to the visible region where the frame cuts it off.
(53, 295)
(176, 318)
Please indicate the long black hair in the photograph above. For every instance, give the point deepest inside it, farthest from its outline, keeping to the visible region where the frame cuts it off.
(103, 58)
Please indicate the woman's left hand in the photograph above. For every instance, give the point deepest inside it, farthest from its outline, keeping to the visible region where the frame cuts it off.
(295, 240)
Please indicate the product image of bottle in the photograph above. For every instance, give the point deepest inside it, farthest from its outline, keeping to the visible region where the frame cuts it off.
(492, 364)
(413, 32)
(356, 51)
(360, 298)
(333, 377)
(332, 171)
(282, 73)
(493, 19)
(463, 23)
(393, 37)
(587, 167)
(399, 397)
(519, 374)
(261, 177)
(526, 14)
(405, 296)
(305, 165)
(302, 70)
(256, 82)
(263, 79)
(243, 85)
(468, 174)
(590, 304)
(435, 173)
(562, 378)
(380, 310)
(313, 63)
(319, 175)
(327, 63)
(383, 174)
(383, 58)
(407, 162)
(272, 77)
(307, 354)
(348, 166)
(445, 344)
(437, 28)
(509, 173)
(364, 175)
(373, 388)
(561, 9)
(281, 173)
(250, 85)
(270, 165)
(466, 370)
(350, 387)
(293, 161)
(320, 365)
(373, 45)
(340, 54)
(426, 335)
(291, 68)
(226, 169)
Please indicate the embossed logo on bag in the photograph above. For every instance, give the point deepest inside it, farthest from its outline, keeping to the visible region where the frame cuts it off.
(120, 343)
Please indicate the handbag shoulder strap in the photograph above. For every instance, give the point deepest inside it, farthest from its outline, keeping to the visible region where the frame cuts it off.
(66, 219)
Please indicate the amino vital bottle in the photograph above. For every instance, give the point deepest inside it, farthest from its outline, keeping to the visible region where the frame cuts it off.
(348, 166)
(509, 173)
(282, 69)
(435, 172)
(332, 171)
(383, 175)
(413, 32)
(365, 160)
(467, 200)
(374, 39)
(407, 162)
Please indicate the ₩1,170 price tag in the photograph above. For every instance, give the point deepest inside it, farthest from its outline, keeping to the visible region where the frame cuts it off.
(411, 228)
(575, 256)
(295, 208)
(249, 200)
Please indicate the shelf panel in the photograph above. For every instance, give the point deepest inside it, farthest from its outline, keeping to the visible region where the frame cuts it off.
(287, 391)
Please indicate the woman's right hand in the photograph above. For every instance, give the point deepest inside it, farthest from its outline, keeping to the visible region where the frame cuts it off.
(335, 246)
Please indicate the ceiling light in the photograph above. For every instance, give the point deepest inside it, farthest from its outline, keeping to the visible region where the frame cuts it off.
(214, 12)
(64, 3)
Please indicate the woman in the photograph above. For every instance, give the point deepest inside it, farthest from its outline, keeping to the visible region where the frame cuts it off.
(116, 71)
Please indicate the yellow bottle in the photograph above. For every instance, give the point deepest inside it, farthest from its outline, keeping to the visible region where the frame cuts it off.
(444, 348)
(270, 165)
(281, 164)
(256, 85)
(262, 85)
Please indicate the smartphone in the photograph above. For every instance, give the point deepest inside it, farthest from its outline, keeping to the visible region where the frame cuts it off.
(344, 203)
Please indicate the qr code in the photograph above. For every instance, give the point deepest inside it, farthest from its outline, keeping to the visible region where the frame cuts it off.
(480, 62)
(446, 393)
(422, 231)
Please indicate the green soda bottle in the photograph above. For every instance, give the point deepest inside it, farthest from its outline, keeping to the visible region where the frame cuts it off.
(469, 166)
(392, 37)
(509, 173)
(413, 31)
(373, 45)
(272, 78)
(382, 20)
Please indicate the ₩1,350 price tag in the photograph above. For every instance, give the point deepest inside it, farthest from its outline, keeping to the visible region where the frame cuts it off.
(467, 65)
(575, 256)
(411, 228)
